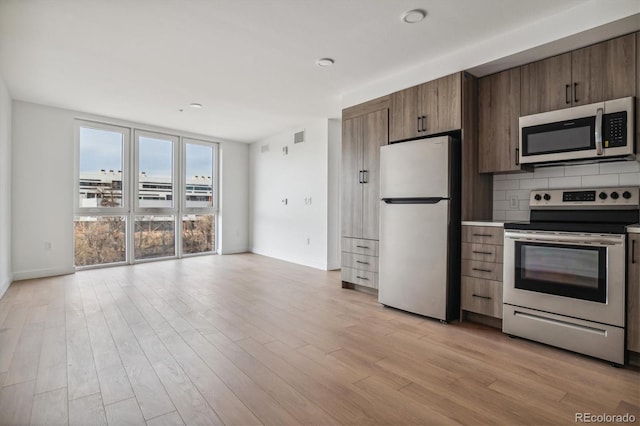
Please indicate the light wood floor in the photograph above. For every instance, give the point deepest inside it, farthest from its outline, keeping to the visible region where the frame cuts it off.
(247, 340)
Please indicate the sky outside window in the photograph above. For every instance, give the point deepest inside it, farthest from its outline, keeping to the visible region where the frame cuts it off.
(100, 149)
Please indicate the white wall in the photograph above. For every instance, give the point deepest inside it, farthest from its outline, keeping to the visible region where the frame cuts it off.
(43, 189)
(6, 273)
(519, 185)
(298, 231)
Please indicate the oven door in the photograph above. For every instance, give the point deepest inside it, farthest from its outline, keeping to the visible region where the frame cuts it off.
(578, 275)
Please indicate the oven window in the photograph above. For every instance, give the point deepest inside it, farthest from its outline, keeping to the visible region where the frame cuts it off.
(564, 270)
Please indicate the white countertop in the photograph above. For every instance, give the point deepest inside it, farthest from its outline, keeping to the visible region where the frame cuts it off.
(497, 224)
(633, 229)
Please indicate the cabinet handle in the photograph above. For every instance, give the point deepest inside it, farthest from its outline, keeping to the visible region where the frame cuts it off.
(575, 92)
(633, 251)
(362, 278)
(481, 270)
(364, 247)
(517, 156)
(365, 176)
(424, 123)
(360, 177)
(481, 297)
(481, 252)
(482, 235)
(418, 124)
(364, 263)
(567, 95)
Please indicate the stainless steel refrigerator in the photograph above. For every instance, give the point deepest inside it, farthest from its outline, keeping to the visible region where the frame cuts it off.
(420, 227)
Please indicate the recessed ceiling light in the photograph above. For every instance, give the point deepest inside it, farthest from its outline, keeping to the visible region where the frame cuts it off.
(414, 16)
(195, 105)
(325, 62)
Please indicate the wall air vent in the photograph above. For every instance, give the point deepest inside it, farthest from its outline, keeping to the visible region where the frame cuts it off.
(298, 137)
(264, 148)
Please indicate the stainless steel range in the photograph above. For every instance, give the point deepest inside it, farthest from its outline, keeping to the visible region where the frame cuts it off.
(564, 271)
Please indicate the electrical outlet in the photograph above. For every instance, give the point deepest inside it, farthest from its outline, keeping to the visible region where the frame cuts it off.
(285, 201)
(47, 245)
(513, 202)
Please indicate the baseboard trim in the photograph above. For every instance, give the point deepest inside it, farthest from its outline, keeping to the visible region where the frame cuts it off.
(303, 262)
(42, 273)
(4, 286)
(234, 251)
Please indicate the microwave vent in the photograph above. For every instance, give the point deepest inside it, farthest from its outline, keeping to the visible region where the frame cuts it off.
(298, 137)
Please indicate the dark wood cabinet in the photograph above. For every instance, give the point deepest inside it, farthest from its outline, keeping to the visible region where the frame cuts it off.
(427, 109)
(498, 113)
(595, 73)
(362, 138)
(546, 85)
(633, 293)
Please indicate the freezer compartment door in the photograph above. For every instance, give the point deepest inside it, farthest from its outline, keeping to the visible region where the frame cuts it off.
(415, 169)
(413, 257)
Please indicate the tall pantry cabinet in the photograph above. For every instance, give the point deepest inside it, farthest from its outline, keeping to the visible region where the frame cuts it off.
(362, 137)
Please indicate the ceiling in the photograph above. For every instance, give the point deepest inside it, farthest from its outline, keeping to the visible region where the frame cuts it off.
(250, 63)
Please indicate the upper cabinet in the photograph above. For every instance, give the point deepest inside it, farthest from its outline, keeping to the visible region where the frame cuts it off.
(595, 73)
(498, 113)
(427, 109)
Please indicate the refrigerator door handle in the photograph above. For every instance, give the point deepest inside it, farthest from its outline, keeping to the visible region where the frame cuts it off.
(426, 200)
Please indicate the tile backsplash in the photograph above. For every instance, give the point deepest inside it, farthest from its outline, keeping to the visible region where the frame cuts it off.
(511, 191)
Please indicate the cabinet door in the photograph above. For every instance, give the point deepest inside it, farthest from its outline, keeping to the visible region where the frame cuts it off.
(604, 71)
(546, 85)
(351, 176)
(633, 294)
(403, 115)
(428, 108)
(375, 135)
(499, 110)
(449, 103)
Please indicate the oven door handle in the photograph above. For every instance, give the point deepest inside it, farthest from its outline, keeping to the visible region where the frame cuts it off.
(581, 240)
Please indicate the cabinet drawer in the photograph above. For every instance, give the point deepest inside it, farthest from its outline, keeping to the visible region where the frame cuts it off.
(360, 246)
(481, 296)
(482, 234)
(479, 269)
(483, 252)
(360, 261)
(356, 276)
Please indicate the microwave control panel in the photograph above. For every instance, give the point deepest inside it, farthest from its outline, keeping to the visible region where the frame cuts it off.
(615, 129)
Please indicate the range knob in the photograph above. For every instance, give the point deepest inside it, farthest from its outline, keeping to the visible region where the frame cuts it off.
(538, 197)
(614, 195)
(603, 195)
(626, 195)
(547, 197)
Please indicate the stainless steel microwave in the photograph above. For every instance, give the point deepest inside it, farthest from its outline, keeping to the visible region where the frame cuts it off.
(604, 130)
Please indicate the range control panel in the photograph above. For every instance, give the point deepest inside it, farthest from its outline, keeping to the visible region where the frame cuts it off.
(594, 198)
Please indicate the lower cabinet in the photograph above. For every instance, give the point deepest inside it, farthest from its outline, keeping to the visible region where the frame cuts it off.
(633, 293)
(360, 262)
(481, 269)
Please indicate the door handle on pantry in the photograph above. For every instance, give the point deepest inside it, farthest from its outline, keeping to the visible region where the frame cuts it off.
(481, 297)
